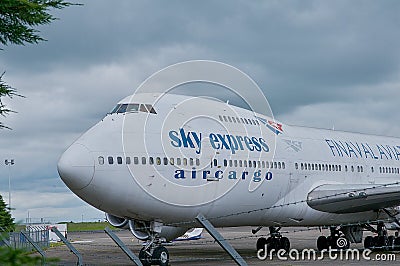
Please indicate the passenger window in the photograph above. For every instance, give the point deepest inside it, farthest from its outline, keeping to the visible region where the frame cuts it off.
(171, 161)
(372, 169)
(191, 161)
(197, 161)
(305, 166)
(184, 161)
(158, 160)
(283, 165)
(225, 163)
(101, 160)
(119, 160)
(151, 160)
(266, 164)
(296, 166)
(165, 160)
(135, 160)
(235, 163)
(215, 162)
(178, 161)
(226, 120)
(254, 164)
(143, 160)
(229, 119)
(245, 163)
(230, 163)
(110, 160)
(151, 109)
(242, 120)
(220, 118)
(263, 164)
(279, 165)
(352, 168)
(238, 120)
(240, 163)
(234, 120)
(250, 164)
(128, 160)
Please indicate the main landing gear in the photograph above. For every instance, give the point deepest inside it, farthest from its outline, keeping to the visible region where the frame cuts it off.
(154, 253)
(382, 240)
(274, 242)
(337, 240)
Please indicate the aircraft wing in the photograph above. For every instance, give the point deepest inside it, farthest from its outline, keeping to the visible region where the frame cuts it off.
(351, 198)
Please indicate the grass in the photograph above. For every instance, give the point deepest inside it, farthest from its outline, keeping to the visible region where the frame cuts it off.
(88, 226)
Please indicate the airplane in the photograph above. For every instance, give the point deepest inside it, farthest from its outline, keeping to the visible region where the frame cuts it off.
(162, 163)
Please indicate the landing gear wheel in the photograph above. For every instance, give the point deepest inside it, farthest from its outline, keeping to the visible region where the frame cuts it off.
(322, 243)
(145, 258)
(390, 243)
(397, 243)
(160, 256)
(368, 242)
(261, 243)
(285, 244)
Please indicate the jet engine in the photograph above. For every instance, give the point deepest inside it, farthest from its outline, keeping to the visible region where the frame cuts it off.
(142, 230)
(117, 221)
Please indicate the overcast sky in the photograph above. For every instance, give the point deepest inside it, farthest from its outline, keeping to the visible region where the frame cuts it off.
(320, 64)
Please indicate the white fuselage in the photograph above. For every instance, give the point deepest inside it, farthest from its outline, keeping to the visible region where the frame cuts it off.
(196, 155)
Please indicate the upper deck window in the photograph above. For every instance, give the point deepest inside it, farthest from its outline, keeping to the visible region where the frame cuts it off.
(133, 108)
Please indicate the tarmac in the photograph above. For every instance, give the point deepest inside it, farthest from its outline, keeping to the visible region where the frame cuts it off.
(97, 248)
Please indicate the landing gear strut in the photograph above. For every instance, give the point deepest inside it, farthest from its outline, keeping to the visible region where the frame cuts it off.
(153, 253)
(337, 240)
(273, 243)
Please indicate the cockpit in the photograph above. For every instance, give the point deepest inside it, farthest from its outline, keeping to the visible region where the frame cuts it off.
(133, 108)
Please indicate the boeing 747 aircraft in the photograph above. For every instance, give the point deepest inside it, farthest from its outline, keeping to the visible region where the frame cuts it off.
(160, 164)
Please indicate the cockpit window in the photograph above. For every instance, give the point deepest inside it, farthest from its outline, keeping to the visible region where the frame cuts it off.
(132, 108)
(143, 108)
(122, 109)
(151, 109)
(115, 109)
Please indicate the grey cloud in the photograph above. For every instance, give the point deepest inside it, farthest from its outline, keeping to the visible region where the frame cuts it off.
(320, 63)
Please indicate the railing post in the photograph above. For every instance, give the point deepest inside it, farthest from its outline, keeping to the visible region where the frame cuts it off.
(69, 245)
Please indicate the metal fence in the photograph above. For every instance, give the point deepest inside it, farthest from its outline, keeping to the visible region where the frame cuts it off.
(40, 236)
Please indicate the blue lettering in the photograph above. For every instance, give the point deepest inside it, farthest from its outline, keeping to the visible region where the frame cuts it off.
(247, 140)
(264, 145)
(257, 145)
(214, 141)
(175, 140)
(179, 174)
(331, 146)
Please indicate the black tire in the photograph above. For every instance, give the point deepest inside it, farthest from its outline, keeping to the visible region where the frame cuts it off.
(160, 256)
(390, 243)
(145, 258)
(285, 244)
(376, 240)
(369, 242)
(322, 243)
(397, 243)
(261, 243)
(381, 242)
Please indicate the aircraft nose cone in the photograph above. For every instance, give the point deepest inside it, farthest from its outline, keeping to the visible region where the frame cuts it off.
(76, 167)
